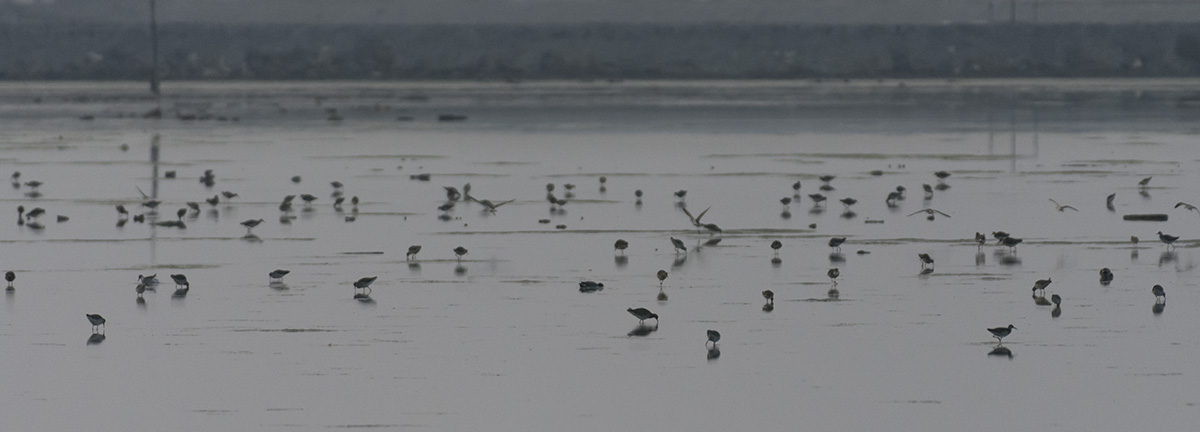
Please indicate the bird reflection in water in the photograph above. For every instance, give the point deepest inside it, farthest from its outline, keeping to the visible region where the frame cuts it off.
(662, 296)
(679, 260)
(141, 303)
(621, 260)
(95, 339)
(279, 286)
(849, 214)
(837, 257)
(1158, 308)
(714, 353)
(712, 242)
(833, 293)
(1166, 258)
(980, 258)
(180, 293)
(785, 215)
(251, 238)
(1001, 351)
(768, 307)
(414, 267)
(643, 330)
(1056, 312)
(925, 272)
(776, 262)
(1041, 301)
(460, 270)
(364, 297)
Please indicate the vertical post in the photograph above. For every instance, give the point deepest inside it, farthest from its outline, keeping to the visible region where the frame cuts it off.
(154, 167)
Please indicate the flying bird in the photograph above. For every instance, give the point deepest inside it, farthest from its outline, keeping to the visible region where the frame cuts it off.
(1187, 206)
(930, 212)
(1061, 207)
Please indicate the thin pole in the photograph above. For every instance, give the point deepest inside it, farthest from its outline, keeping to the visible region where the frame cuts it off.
(154, 49)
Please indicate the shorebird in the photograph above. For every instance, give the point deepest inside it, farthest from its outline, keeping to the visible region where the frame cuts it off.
(180, 280)
(1000, 332)
(662, 276)
(620, 245)
(122, 212)
(285, 206)
(446, 207)
(250, 224)
(336, 184)
(833, 274)
(228, 195)
(33, 184)
(20, 215)
(901, 190)
(930, 212)
(817, 199)
(1000, 236)
(926, 260)
(785, 201)
(10, 277)
(364, 283)
(150, 281)
(1054, 298)
(278, 274)
(33, 214)
(713, 336)
(1041, 285)
(1106, 276)
(836, 243)
(590, 286)
(980, 239)
(337, 203)
(96, 321)
(678, 245)
(892, 197)
(928, 190)
(776, 245)
(216, 199)
(1187, 206)
(643, 314)
(769, 295)
(195, 206)
(308, 199)
(1159, 293)
(412, 252)
(460, 251)
(452, 193)
(179, 214)
(796, 187)
(1108, 202)
(827, 178)
(681, 193)
(1061, 207)
(1145, 182)
(941, 175)
(848, 202)
(1011, 242)
(1168, 239)
(139, 289)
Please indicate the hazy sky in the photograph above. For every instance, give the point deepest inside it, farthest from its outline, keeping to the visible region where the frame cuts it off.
(538, 11)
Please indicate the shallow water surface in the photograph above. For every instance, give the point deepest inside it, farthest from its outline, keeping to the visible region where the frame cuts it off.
(502, 339)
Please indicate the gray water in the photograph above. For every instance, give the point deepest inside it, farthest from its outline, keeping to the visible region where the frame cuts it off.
(504, 340)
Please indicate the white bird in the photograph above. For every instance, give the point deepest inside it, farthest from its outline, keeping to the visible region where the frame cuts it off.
(1061, 207)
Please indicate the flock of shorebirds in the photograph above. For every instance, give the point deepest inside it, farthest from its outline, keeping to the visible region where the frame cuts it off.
(453, 195)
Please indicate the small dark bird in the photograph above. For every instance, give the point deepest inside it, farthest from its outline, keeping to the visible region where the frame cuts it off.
(139, 288)
(796, 187)
(1146, 181)
(308, 198)
(816, 199)
(1041, 285)
(216, 199)
(713, 336)
(228, 195)
(452, 193)
(460, 251)
(926, 260)
(337, 203)
(1109, 202)
(96, 321)
(776, 245)
(446, 207)
(412, 251)
(980, 239)
(1000, 332)
(1168, 239)
(941, 175)
(662, 276)
(122, 212)
(1054, 298)
(620, 245)
(769, 295)
(10, 277)
(638, 193)
(1011, 242)
(179, 214)
(33, 184)
(364, 283)
(827, 178)
(1159, 293)
(928, 190)
(711, 227)
(250, 224)
(848, 202)
(678, 245)
(785, 201)
(681, 193)
(833, 274)
(180, 280)
(33, 214)
(336, 184)
(999, 236)
(836, 243)
(195, 206)
(892, 197)
(278, 274)
(590, 286)
(1106, 276)
(643, 314)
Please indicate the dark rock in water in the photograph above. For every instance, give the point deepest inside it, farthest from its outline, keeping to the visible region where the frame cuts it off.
(1153, 217)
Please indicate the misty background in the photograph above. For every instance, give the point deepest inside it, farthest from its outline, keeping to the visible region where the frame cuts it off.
(595, 39)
